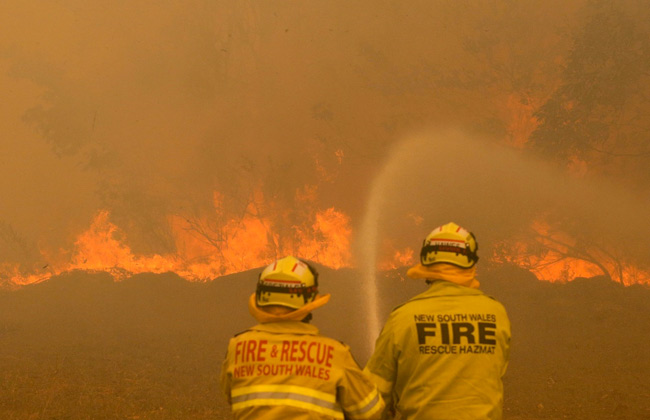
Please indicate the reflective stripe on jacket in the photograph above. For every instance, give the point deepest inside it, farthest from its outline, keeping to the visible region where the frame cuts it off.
(281, 370)
(442, 355)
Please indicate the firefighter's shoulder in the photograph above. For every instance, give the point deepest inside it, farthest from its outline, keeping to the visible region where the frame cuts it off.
(241, 332)
(332, 341)
(341, 347)
(403, 305)
(336, 344)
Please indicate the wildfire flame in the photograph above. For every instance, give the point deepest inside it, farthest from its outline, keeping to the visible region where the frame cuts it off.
(553, 256)
(204, 253)
(396, 258)
(550, 255)
(242, 244)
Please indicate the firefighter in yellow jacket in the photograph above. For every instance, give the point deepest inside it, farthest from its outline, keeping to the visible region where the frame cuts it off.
(282, 368)
(442, 354)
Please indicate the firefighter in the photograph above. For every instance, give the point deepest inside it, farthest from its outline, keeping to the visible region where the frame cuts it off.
(443, 353)
(283, 368)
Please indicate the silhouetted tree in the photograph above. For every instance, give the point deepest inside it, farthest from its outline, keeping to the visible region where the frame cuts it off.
(599, 113)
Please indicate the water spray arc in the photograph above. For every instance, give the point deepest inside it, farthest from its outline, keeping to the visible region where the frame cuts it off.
(369, 234)
(398, 176)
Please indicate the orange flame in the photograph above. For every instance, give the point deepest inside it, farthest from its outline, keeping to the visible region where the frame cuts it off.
(15, 278)
(204, 250)
(551, 256)
(329, 241)
(100, 249)
(545, 265)
(393, 258)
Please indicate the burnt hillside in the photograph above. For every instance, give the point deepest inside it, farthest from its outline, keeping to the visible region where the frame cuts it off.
(150, 347)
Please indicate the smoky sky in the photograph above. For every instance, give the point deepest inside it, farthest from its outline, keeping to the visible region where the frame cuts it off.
(496, 192)
(146, 108)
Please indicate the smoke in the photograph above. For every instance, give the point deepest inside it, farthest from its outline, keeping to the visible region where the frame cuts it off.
(146, 109)
(443, 175)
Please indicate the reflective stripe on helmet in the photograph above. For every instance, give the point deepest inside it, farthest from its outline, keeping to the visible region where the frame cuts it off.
(308, 293)
(288, 282)
(451, 244)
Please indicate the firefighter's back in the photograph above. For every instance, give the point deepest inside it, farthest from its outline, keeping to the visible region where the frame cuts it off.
(454, 352)
(286, 370)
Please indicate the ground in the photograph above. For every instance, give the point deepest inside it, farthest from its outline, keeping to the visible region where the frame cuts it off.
(81, 346)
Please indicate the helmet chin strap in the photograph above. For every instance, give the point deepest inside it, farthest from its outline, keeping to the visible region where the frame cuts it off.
(473, 255)
(308, 293)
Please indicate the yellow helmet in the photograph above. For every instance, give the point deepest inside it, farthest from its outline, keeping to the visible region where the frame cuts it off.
(450, 244)
(288, 282)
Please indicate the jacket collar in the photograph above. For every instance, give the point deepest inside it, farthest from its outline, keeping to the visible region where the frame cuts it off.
(445, 271)
(284, 327)
(445, 288)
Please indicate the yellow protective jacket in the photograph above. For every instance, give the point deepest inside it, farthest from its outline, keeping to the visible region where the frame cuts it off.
(286, 370)
(442, 354)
